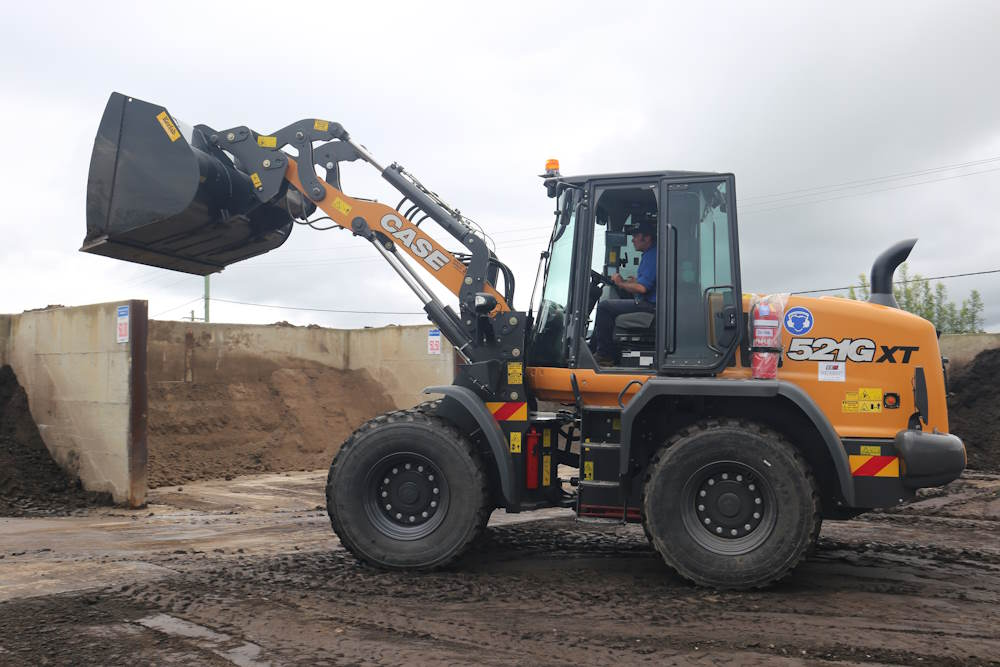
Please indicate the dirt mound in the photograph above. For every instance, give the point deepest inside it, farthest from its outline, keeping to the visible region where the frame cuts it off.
(31, 483)
(974, 408)
(294, 420)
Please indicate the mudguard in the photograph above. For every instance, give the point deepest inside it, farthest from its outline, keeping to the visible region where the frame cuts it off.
(494, 437)
(660, 386)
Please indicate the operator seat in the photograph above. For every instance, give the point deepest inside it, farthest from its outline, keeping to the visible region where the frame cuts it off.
(635, 328)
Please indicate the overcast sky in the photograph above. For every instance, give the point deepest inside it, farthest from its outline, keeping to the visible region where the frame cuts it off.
(791, 97)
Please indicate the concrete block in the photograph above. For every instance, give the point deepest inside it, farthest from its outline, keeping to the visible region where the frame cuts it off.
(86, 391)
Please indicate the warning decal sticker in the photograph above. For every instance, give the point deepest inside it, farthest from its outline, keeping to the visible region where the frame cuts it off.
(874, 466)
(866, 400)
(167, 123)
(508, 411)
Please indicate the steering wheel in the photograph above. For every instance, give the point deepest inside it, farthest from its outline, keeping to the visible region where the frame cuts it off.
(600, 280)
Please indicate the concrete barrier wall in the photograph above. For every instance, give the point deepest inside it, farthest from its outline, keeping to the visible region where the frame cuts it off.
(962, 348)
(397, 357)
(4, 338)
(86, 391)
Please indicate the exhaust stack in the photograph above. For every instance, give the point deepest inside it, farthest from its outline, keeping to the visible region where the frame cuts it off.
(161, 194)
(883, 270)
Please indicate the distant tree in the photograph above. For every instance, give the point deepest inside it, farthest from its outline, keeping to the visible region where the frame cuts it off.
(915, 294)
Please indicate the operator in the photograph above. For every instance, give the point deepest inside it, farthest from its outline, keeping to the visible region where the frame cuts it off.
(642, 287)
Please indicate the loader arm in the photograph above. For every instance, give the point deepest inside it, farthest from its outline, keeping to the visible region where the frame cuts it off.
(390, 224)
(197, 200)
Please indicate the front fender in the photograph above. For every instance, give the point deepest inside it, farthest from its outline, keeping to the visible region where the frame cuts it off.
(494, 438)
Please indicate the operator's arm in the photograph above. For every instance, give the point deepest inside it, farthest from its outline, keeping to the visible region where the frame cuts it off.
(645, 280)
(629, 285)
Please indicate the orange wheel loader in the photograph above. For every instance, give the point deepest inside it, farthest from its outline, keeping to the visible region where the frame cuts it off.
(631, 368)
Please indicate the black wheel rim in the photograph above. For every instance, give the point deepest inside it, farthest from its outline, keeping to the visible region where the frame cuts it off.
(406, 496)
(729, 508)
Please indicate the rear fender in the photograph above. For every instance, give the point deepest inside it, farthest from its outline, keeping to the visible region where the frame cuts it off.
(719, 388)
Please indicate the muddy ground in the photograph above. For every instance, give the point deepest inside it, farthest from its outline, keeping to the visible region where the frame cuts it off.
(248, 572)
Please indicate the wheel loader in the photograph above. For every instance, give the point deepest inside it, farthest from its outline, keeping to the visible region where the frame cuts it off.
(730, 475)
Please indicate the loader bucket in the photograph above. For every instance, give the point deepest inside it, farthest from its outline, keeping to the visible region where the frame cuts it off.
(160, 194)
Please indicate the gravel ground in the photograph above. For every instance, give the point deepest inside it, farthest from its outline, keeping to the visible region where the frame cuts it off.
(248, 573)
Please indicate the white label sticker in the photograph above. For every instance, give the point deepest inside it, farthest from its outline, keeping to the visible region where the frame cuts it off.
(832, 371)
(122, 324)
(433, 341)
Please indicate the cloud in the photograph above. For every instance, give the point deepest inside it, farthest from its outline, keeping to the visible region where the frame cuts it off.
(473, 98)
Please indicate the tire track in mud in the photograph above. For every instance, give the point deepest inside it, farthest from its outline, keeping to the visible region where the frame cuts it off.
(904, 587)
(559, 592)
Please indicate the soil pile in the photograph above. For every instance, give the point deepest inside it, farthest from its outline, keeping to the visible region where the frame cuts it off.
(974, 409)
(31, 483)
(294, 420)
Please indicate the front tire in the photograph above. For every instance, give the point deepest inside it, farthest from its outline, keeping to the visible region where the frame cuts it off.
(730, 505)
(407, 491)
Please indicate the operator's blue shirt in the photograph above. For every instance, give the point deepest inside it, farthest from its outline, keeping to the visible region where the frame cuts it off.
(646, 275)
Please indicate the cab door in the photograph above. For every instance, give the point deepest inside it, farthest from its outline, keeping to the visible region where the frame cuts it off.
(700, 312)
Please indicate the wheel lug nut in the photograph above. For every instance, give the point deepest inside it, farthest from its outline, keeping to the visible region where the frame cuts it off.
(757, 500)
(701, 508)
(707, 521)
(435, 490)
(395, 471)
(399, 515)
(725, 475)
(420, 468)
(756, 515)
(752, 487)
(711, 482)
(746, 527)
(719, 530)
(407, 466)
(388, 507)
(739, 478)
(430, 478)
(423, 514)
(702, 493)
(385, 481)
(385, 493)
(434, 503)
(732, 532)
(412, 519)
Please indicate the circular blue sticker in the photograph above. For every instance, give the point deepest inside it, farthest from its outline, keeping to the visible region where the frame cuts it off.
(798, 321)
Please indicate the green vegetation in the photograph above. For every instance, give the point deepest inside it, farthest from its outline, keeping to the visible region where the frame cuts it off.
(916, 295)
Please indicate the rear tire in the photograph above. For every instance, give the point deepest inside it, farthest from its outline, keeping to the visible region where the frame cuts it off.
(730, 505)
(407, 491)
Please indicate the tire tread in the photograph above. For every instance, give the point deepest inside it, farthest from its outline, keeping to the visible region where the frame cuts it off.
(766, 433)
(418, 413)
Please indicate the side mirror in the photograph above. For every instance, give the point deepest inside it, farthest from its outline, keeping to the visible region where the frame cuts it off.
(485, 303)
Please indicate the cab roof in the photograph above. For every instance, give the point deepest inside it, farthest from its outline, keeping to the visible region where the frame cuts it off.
(583, 178)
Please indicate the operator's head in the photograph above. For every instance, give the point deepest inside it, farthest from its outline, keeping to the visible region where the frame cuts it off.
(644, 236)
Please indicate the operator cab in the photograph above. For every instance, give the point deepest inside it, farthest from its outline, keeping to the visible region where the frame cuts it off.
(641, 275)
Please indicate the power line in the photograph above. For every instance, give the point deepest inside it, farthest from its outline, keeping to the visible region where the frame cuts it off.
(186, 303)
(868, 181)
(903, 282)
(868, 192)
(321, 310)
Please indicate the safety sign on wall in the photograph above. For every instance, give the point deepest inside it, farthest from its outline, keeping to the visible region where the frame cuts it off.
(433, 341)
(122, 324)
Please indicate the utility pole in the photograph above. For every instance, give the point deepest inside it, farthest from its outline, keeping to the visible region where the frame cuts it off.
(207, 290)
